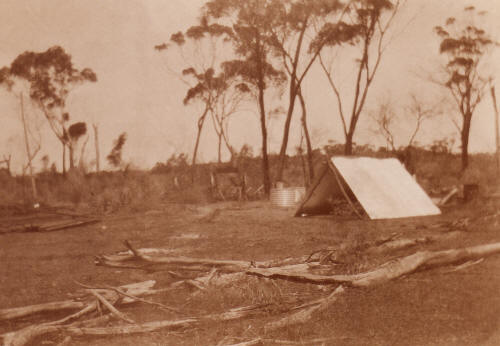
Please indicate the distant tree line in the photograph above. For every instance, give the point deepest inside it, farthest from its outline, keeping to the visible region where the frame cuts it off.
(269, 46)
(242, 54)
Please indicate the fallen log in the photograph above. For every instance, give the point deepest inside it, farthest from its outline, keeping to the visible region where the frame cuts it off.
(399, 244)
(8, 314)
(155, 259)
(69, 225)
(265, 341)
(24, 336)
(129, 329)
(89, 308)
(418, 261)
(50, 228)
(306, 310)
(134, 298)
(147, 327)
(224, 265)
(135, 289)
(297, 272)
(127, 255)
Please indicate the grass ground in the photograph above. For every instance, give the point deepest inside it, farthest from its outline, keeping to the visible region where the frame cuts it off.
(435, 307)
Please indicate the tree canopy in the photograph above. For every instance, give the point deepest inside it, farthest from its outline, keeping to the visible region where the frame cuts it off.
(464, 44)
(50, 76)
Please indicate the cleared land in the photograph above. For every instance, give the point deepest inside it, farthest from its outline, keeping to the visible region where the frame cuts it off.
(445, 305)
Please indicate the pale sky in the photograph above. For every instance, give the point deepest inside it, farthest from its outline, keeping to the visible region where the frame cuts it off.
(136, 94)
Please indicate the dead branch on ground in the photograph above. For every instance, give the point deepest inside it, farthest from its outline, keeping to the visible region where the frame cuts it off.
(159, 259)
(81, 301)
(421, 260)
(26, 335)
(221, 272)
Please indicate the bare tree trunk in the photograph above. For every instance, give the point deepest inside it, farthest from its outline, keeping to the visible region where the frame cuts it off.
(28, 152)
(356, 108)
(201, 121)
(261, 86)
(265, 158)
(300, 153)
(96, 143)
(219, 154)
(348, 144)
(497, 136)
(81, 160)
(360, 93)
(306, 135)
(229, 147)
(465, 140)
(286, 130)
(63, 158)
(71, 156)
(222, 136)
(294, 88)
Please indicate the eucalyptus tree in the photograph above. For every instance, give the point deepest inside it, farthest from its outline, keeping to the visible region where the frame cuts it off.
(51, 76)
(200, 51)
(247, 22)
(387, 119)
(464, 44)
(364, 28)
(228, 101)
(204, 90)
(291, 34)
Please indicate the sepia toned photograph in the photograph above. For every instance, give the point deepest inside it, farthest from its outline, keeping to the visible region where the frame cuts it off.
(249, 172)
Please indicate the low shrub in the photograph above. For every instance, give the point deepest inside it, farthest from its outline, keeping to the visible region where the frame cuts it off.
(135, 190)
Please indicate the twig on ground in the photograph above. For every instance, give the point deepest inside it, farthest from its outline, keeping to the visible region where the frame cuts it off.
(66, 341)
(464, 265)
(253, 342)
(306, 310)
(91, 307)
(121, 292)
(111, 308)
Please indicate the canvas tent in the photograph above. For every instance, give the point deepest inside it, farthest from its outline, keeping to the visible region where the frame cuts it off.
(383, 188)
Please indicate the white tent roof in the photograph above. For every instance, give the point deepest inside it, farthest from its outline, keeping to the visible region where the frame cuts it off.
(383, 187)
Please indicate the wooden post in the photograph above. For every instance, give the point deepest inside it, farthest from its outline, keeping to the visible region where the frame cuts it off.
(497, 139)
(96, 141)
(28, 152)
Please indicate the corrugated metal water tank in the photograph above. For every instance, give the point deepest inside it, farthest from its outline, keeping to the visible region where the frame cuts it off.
(287, 196)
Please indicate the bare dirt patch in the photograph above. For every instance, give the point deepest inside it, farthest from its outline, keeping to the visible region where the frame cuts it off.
(438, 306)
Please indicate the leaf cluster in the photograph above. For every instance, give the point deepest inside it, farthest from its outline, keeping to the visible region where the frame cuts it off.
(464, 44)
(248, 30)
(206, 84)
(115, 156)
(77, 130)
(364, 16)
(50, 75)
